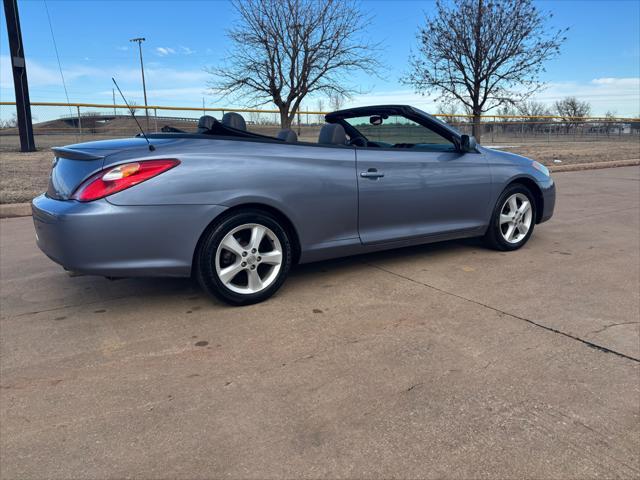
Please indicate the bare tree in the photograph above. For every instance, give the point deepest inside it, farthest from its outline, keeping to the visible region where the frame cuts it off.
(336, 100)
(133, 107)
(11, 122)
(532, 112)
(284, 50)
(450, 113)
(320, 108)
(483, 53)
(507, 111)
(611, 122)
(507, 120)
(572, 111)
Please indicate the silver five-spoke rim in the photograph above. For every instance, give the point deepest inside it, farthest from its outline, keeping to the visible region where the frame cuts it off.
(515, 218)
(249, 258)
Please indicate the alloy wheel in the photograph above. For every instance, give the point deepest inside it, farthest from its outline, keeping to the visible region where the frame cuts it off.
(248, 258)
(516, 217)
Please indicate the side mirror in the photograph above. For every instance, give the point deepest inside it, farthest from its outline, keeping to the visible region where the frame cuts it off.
(467, 143)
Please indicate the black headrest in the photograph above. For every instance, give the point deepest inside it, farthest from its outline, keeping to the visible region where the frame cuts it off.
(234, 120)
(332, 134)
(287, 135)
(206, 123)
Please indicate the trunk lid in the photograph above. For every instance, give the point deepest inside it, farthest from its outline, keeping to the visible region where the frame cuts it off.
(75, 163)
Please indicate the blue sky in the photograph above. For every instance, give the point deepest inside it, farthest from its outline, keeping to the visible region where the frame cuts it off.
(599, 63)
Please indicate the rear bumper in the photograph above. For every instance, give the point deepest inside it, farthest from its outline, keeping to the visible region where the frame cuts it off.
(100, 238)
(548, 189)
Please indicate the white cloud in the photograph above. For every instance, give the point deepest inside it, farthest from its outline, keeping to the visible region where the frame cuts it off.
(621, 82)
(164, 51)
(40, 75)
(123, 48)
(165, 77)
(618, 94)
(184, 96)
(401, 97)
(171, 86)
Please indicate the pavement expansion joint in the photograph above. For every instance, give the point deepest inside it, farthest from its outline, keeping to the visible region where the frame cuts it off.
(512, 315)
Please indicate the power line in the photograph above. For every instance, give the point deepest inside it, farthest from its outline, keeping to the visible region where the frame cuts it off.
(55, 46)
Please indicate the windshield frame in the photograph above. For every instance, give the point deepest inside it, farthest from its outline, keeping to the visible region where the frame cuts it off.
(411, 113)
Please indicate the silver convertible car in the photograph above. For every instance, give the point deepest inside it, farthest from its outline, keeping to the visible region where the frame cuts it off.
(237, 209)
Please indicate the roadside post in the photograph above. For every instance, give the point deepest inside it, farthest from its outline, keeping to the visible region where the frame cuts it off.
(20, 84)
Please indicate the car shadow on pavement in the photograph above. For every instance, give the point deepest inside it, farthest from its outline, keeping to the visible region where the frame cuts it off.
(167, 290)
(416, 252)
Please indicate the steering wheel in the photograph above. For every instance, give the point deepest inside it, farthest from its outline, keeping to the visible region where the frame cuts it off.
(359, 141)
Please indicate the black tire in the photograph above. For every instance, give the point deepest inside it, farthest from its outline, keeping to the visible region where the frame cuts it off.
(206, 271)
(494, 236)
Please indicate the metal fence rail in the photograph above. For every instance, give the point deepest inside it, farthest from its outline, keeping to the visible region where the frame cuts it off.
(60, 123)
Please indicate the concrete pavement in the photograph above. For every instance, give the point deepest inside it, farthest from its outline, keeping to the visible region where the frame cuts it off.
(440, 361)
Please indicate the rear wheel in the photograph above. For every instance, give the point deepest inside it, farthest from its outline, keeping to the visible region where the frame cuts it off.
(245, 258)
(512, 220)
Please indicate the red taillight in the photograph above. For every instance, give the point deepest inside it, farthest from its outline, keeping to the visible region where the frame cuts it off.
(118, 178)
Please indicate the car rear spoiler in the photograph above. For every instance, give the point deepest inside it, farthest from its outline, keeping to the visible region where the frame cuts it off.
(72, 154)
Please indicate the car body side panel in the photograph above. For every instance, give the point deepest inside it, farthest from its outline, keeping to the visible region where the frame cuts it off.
(548, 188)
(507, 168)
(355, 247)
(152, 229)
(314, 186)
(422, 193)
(104, 239)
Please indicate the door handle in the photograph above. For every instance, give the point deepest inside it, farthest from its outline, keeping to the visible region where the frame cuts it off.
(372, 173)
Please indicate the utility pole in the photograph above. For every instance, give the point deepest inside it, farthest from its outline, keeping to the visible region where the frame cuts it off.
(139, 41)
(113, 91)
(20, 84)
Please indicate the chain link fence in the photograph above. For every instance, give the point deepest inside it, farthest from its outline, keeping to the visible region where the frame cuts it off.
(57, 124)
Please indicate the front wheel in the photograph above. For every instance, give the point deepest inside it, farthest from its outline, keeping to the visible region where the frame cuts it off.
(512, 220)
(245, 258)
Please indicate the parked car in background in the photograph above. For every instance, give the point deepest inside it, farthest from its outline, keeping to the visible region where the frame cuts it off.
(236, 209)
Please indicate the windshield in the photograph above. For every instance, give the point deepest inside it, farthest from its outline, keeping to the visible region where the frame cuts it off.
(440, 119)
(397, 131)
